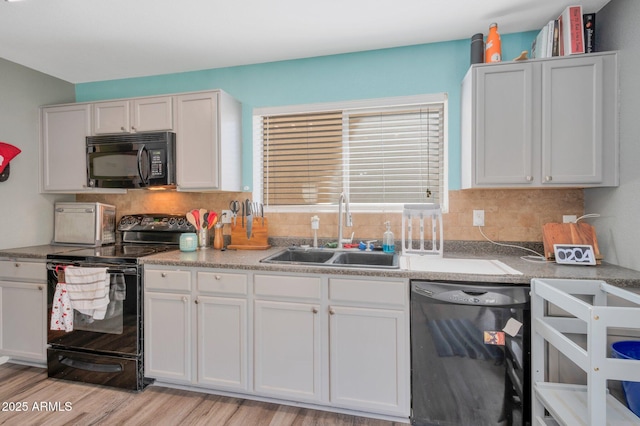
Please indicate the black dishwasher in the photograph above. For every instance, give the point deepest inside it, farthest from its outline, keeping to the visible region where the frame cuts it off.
(470, 354)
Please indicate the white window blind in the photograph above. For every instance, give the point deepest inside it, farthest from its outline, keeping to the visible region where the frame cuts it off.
(384, 155)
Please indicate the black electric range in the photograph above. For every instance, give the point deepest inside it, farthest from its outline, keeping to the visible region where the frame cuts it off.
(108, 349)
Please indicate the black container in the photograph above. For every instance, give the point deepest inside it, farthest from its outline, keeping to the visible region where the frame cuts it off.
(477, 49)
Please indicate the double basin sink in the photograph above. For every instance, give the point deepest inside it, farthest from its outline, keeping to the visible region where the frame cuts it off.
(335, 258)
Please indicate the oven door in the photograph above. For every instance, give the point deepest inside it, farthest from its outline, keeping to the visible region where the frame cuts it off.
(119, 333)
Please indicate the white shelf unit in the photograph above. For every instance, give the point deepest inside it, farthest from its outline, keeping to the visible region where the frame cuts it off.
(574, 404)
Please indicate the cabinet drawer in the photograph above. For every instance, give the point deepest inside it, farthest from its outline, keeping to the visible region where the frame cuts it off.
(23, 271)
(368, 291)
(167, 280)
(222, 282)
(288, 286)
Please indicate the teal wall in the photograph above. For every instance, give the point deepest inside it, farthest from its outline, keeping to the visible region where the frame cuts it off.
(410, 70)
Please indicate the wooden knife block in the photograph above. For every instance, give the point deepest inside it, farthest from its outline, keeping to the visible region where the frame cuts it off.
(259, 235)
(569, 233)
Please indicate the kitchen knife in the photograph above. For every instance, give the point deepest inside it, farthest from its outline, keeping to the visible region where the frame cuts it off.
(249, 219)
(262, 213)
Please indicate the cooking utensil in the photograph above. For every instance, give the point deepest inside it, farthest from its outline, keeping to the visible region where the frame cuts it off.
(249, 219)
(234, 206)
(196, 215)
(202, 213)
(205, 221)
(262, 213)
(212, 219)
(192, 220)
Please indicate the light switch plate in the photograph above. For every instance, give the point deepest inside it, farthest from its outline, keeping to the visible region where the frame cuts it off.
(574, 254)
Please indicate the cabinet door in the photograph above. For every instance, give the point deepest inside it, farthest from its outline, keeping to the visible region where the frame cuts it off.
(111, 117)
(64, 131)
(23, 321)
(503, 107)
(287, 350)
(197, 146)
(152, 114)
(572, 121)
(368, 367)
(222, 342)
(167, 340)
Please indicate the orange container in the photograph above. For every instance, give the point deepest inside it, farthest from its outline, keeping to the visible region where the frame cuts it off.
(493, 48)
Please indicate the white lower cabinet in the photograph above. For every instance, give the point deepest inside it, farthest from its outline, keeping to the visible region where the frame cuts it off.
(168, 336)
(222, 337)
(332, 341)
(287, 350)
(167, 324)
(23, 311)
(368, 345)
(366, 363)
(196, 333)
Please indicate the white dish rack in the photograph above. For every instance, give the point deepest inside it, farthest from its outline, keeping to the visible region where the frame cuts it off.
(419, 215)
(575, 404)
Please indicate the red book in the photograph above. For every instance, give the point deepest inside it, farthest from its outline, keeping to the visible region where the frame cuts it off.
(572, 30)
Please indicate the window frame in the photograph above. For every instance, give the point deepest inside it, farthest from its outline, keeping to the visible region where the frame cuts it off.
(365, 104)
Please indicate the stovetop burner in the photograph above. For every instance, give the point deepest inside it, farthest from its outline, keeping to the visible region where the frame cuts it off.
(122, 252)
(141, 235)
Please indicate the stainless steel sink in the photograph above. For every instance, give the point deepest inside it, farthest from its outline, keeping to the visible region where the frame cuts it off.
(335, 258)
(367, 259)
(299, 256)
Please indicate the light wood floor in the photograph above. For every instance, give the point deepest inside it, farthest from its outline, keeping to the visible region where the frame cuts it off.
(45, 399)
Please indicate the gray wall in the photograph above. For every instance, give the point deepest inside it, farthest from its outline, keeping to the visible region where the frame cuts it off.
(617, 28)
(25, 214)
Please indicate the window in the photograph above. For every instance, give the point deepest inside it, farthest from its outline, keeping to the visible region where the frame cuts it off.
(381, 153)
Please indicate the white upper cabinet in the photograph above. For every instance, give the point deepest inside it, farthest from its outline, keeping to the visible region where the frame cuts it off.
(63, 147)
(541, 123)
(209, 144)
(133, 115)
(208, 127)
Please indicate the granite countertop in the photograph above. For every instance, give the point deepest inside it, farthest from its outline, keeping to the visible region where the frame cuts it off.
(35, 252)
(249, 260)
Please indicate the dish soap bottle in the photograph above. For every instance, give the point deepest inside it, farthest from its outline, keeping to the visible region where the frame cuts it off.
(388, 242)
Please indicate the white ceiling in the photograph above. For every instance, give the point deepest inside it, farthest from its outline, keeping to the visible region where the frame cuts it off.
(93, 40)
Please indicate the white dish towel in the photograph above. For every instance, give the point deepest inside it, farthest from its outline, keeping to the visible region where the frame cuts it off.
(88, 290)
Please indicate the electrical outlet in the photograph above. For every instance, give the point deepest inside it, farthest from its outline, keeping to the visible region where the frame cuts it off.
(569, 218)
(226, 216)
(478, 218)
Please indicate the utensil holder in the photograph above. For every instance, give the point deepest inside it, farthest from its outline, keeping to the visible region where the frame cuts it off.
(203, 238)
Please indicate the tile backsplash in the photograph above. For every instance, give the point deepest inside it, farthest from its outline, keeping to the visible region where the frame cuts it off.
(510, 214)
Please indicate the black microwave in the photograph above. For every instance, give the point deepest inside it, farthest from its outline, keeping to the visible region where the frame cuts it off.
(138, 160)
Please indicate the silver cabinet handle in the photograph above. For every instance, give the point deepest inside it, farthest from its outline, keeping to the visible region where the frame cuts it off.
(218, 277)
(123, 129)
(184, 299)
(40, 288)
(17, 265)
(332, 311)
(163, 274)
(314, 310)
(133, 129)
(548, 178)
(529, 178)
